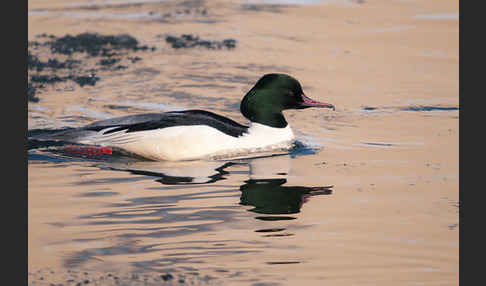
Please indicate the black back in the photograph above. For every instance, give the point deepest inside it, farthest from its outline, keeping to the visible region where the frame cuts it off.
(145, 122)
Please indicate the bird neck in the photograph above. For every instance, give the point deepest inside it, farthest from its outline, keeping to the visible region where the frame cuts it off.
(265, 112)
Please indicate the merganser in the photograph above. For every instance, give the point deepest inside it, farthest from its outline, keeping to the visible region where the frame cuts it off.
(199, 134)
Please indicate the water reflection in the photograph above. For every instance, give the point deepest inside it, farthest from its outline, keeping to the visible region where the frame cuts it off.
(191, 201)
(265, 190)
(176, 173)
(270, 196)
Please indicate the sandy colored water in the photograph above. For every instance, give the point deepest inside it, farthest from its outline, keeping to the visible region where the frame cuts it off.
(392, 216)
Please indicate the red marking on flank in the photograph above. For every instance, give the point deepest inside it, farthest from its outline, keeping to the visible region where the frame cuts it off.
(89, 150)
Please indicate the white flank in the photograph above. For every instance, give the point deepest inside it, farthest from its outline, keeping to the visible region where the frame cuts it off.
(194, 142)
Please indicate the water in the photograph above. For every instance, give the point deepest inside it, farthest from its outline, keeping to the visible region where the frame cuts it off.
(235, 221)
(171, 217)
(368, 197)
(452, 16)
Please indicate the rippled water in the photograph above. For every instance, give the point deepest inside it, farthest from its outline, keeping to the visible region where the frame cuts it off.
(177, 216)
(233, 221)
(368, 197)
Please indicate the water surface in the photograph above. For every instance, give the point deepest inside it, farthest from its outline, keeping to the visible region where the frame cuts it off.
(370, 197)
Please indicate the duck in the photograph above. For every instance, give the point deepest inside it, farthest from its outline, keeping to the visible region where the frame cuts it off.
(199, 134)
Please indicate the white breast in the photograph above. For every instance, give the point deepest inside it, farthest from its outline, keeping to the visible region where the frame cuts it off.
(196, 142)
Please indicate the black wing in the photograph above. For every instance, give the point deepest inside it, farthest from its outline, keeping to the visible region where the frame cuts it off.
(150, 121)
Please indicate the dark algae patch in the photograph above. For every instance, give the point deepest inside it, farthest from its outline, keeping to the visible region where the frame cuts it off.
(109, 61)
(50, 79)
(75, 276)
(83, 58)
(34, 63)
(56, 68)
(84, 80)
(191, 41)
(31, 93)
(134, 59)
(95, 44)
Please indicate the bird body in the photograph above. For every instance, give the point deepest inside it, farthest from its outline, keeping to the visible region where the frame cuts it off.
(194, 141)
(198, 134)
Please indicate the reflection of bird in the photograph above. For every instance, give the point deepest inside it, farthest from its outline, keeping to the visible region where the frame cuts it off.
(196, 134)
(269, 196)
(175, 173)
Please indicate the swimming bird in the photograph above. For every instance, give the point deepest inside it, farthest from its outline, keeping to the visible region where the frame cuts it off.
(199, 134)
